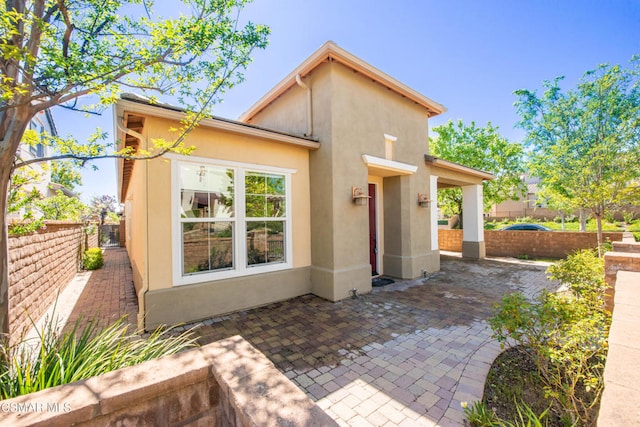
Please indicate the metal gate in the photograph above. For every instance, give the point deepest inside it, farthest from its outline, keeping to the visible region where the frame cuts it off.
(109, 235)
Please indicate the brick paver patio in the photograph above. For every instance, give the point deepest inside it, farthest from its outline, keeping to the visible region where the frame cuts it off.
(405, 355)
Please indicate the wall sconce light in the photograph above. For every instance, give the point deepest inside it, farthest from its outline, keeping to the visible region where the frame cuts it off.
(423, 200)
(359, 197)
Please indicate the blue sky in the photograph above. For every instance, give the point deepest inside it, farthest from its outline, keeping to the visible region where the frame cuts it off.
(468, 55)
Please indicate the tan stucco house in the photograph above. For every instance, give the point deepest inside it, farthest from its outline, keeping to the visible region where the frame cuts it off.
(321, 184)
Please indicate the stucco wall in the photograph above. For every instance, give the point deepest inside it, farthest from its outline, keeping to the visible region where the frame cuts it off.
(556, 244)
(149, 223)
(351, 115)
(41, 264)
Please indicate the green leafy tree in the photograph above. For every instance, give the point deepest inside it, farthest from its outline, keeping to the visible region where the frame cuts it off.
(61, 207)
(81, 54)
(480, 148)
(585, 142)
(65, 173)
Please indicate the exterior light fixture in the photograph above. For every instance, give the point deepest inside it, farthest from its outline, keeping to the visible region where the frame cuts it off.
(423, 200)
(359, 197)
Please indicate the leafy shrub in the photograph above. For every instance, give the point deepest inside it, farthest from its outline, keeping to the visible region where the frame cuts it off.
(583, 273)
(628, 216)
(564, 334)
(490, 225)
(524, 219)
(93, 259)
(55, 359)
(609, 216)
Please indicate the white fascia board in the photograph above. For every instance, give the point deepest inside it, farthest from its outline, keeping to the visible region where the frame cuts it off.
(395, 168)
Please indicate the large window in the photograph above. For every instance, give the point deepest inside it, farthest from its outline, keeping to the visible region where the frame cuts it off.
(233, 220)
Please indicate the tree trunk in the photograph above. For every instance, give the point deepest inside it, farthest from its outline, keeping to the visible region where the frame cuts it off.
(5, 176)
(13, 122)
(562, 219)
(583, 220)
(599, 232)
(4, 257)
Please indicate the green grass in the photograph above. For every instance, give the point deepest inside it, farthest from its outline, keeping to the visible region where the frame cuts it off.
(60, 358)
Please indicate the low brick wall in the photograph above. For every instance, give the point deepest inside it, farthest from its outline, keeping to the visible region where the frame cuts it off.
(226, 383)
(556, 244)
(620, 399)
(41, 264)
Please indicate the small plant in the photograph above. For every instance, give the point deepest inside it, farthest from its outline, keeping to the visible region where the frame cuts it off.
(479, 415)
(93, 259)
(60, 358)
(528, 418)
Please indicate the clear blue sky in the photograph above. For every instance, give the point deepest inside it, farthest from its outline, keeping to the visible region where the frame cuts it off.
(468, 55)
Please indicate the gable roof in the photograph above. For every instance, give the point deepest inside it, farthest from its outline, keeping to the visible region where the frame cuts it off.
(331, 52)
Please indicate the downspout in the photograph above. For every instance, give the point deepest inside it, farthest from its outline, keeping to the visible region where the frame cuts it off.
(128, 131)
(141, 315)
(309, 107)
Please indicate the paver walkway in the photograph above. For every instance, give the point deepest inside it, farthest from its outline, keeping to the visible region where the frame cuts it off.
(105, 294)
(405, 355)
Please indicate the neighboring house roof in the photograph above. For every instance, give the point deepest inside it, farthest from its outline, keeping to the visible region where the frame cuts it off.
(54, 186)
(52, 123)
(134, 105)
(330, 52)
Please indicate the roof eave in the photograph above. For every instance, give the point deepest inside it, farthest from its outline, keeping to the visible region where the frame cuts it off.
(457, 167)
(332, 52)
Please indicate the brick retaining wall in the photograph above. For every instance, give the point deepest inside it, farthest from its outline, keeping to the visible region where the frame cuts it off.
(227, 383)
(41, 264)
(619, 405)
(556, 244)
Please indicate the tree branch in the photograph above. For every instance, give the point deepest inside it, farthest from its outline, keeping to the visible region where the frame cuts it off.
(68, 30)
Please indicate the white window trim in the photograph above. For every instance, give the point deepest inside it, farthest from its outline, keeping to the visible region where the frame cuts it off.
(241, 269)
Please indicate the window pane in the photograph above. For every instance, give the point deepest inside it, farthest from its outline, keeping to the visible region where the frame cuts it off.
(275, 206)
(276, 184)
(265, 242)
(255, 206)
(207, 246)
(265, 195)
(206, 191)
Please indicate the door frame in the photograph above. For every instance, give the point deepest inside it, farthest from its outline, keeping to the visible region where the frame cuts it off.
(376, 214)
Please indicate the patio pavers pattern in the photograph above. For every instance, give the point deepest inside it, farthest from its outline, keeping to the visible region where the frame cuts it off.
(406, 354)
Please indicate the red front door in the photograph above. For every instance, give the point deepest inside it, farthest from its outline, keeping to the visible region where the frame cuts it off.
(373, 236)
